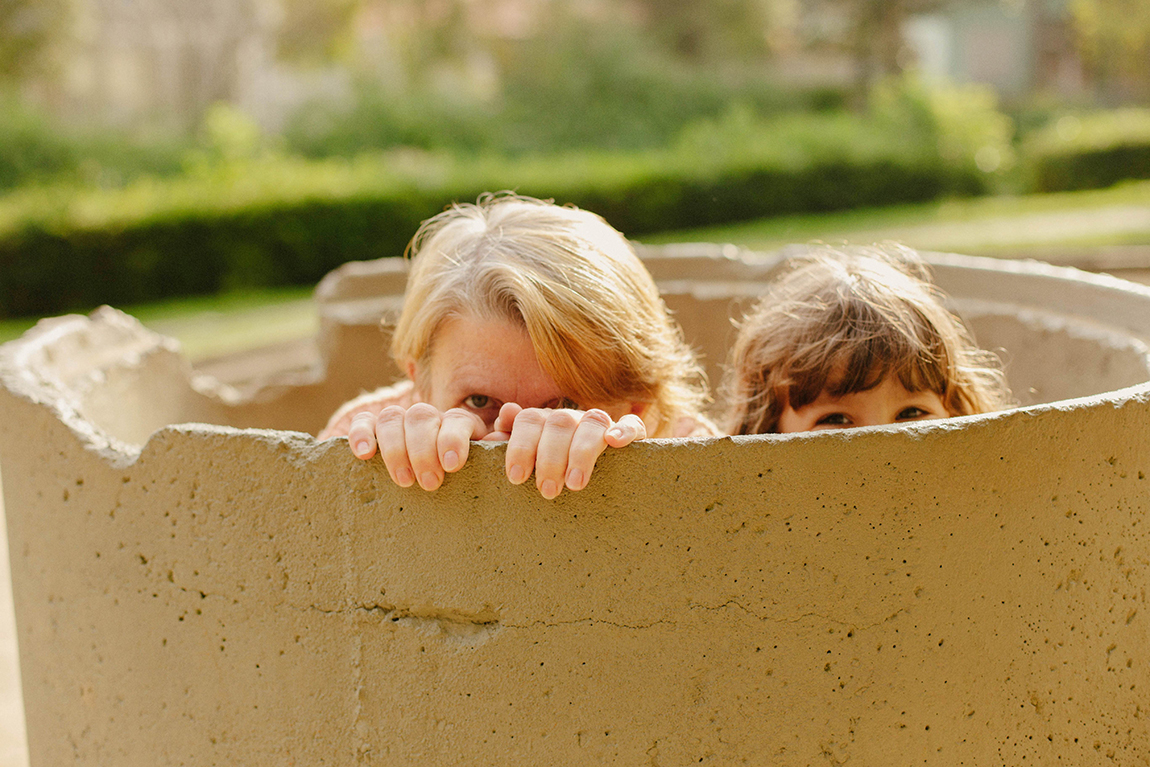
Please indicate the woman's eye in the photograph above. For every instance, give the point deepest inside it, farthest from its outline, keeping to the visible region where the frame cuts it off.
(477, 401)
(910, 413)
(834, 419)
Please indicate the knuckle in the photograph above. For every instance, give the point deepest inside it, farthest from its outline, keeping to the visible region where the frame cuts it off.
(457, 414)
(563, 419)
(421, 412)
(389, 415)
(597, 417)
(532, 416)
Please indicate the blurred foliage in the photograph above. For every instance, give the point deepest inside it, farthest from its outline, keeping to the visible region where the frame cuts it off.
(262, 219)
(29, 148)
(315, 31)
(961, 122)
(227, 135)
(716, 30)
(34, 149)
(1089, 151)
(577, 86)
(662, 117)
(1114, 37)
(377, 119)
(874, 35)
(29, 30)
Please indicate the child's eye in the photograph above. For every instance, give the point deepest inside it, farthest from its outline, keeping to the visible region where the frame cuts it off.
(910, 413)
(834, 419)
(477, 401)
(566, 404)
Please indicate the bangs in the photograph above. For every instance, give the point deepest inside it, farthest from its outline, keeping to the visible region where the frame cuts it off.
(594, 356)
(861, 345)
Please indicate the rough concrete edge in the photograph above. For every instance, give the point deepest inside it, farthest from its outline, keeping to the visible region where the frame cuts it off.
(1077, 327)
(1032, 266)
(328, 288)
(303, 449)
(1026, 266)
(20, 379)
(24, 380)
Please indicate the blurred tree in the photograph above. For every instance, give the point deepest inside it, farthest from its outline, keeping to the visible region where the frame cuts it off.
(29, 29)
(442, 34)
(1114, 39)
(315, 31)
(707, 31)
(875, 37)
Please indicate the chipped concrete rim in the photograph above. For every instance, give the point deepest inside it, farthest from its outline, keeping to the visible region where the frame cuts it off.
(20, 375)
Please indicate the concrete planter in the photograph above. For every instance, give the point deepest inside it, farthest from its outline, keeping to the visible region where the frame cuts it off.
(970, 591)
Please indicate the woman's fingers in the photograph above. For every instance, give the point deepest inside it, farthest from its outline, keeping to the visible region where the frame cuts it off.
(554, 446)
(419, 444)
(561, 446)
(456, 431)
(389, 431)
(587, 444)
(523, 443)
(628, 429)
(504, 421)
(361, 435)
(339, 425)
(421, 436)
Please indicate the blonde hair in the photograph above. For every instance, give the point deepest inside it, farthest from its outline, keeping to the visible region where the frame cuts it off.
(574, 283)
(841, 322)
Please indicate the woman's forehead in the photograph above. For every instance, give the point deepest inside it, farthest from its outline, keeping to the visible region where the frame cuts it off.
(494, 358)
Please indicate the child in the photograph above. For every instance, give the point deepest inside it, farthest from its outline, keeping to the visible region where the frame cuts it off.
(531, 322)
(856, 338)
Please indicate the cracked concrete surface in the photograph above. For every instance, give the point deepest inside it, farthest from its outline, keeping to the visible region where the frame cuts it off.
(969, 591)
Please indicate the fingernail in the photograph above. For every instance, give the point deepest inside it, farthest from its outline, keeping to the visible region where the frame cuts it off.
(575, 479)
(516, 474)
(362, 447)
(615, 432)
(404, 477)
(450, 460)
(428, 480)
(549, 490)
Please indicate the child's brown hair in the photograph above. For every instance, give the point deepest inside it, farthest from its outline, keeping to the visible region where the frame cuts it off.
(841, 321)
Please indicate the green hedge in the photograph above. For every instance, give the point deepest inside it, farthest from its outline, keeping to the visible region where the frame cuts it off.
(276, 221)
(1089, 151)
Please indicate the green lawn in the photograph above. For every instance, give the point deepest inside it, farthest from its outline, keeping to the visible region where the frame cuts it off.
(1026, 225)
(1034, 226)
(210, 326)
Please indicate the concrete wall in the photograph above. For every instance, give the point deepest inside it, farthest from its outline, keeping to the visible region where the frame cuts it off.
(970, 591)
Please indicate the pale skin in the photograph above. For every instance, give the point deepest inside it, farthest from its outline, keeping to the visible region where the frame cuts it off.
(887, 403)
(483, 380)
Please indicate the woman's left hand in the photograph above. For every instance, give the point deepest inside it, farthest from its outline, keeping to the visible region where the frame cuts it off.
(560, 446)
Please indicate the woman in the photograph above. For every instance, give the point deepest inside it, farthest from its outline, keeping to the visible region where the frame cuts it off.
(533, 323)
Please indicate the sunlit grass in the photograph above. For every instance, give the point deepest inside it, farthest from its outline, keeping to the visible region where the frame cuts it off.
(1120, 215)
(210, 326)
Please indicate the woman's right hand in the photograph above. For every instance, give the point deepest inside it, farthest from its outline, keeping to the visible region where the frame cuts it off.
(560, 445)
(417, 443)
(339, 425)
